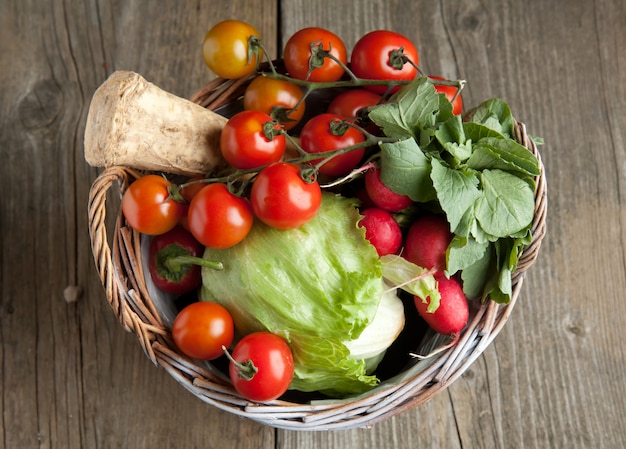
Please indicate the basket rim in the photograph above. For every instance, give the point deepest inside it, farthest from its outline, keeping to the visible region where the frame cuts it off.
(121, 273)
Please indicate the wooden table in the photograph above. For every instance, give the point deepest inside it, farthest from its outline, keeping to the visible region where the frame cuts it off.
(70, 377)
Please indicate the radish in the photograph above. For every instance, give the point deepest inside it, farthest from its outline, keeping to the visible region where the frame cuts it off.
(382, 230)
(383, 196)
(427, 242)
(453, 312)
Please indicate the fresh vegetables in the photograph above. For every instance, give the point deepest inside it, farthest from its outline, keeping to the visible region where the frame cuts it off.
(452, 93)
(427, 242)
(445, 205)
(316, 292)
(384, 55)
(352, 102)
(148, 206)
(134, 123)
(174, 261)
(381, 230)
(381, 195)
(280, 99)
(228, 51)
(452, 313)
(261, 366)
(246, 142)
(281, 198)
(305, 55)
(218, 218)
(202, 329)
(329, 132)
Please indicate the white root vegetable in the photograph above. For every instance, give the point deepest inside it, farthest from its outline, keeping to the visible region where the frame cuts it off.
(134, 123)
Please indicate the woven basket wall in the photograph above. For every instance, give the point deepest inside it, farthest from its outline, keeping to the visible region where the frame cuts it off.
(118, 258)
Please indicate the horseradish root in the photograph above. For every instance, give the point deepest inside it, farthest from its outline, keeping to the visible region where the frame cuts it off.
(134, 123)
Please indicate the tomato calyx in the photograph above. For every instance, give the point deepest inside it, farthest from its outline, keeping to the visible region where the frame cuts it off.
(271, 130)
(309, 173)
(339, 127)
(282, 114)
(318, 55)
(245, 370)
(175, 192)
(397, 59)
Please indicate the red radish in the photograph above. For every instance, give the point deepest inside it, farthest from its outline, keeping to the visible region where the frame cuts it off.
(453, 312)
(383, 196)
(427, 242)
(382, 230)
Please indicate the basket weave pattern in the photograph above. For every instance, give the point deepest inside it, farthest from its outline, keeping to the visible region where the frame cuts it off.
(118, 260)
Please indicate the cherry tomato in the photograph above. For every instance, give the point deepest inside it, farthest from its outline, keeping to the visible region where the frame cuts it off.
(167, 247)
(277, 98)
(219, 219)
(326, 132)
(244, 140)
(148, 208)
(350, 102)
(201, 329)
(191, 187)
(380, 55)
(449, 92)
(264, 366)
(188, 192)
(302, 59)
(381, 195)
(282, 199)
(226, 49)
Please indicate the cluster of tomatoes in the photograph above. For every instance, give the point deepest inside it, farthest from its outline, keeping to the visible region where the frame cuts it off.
(279, 191)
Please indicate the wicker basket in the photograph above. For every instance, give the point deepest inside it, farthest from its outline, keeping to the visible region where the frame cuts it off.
(121, 270)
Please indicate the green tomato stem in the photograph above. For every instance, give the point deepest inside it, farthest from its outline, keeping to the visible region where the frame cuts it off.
(246, 370)
(176, 263)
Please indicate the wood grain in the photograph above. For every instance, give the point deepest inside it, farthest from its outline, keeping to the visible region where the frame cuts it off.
(70, 377)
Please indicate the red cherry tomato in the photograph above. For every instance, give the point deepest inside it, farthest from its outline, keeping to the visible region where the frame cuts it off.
(277, 98)
(226, 49)
(191, 187)
(449, 92)
(244, 141)
(148, 207)
(282, 199)
(350, 102)
(201, 329)
(381, 195)
(272, 359)
(380, 54)
(188, 192)
(326, 132)
(302, 62)
(219, 219)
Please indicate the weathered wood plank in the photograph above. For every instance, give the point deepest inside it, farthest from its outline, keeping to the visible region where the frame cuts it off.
(551, 379)
(71, 377)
